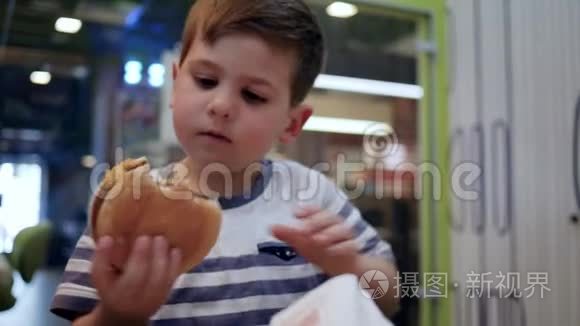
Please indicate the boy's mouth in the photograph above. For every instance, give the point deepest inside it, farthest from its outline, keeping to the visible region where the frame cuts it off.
(215, 135)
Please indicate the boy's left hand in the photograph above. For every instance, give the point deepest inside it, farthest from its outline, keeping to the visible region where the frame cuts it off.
(327, 241)
(323, 239)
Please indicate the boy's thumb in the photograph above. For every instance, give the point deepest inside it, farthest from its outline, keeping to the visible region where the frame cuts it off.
(102, 274)
(290, 235)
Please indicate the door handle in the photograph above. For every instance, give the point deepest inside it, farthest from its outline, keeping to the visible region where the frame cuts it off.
(458, 307)
(456, 143)
(468, 311)
(500, 126)
(576, 154)
(521, 311)
(478, 140)
(505, 309)
(483, 310)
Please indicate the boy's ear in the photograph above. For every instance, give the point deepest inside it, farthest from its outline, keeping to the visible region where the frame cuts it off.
(174, 69)
(297, 119)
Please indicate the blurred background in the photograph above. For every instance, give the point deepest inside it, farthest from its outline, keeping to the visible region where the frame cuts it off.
(87, 82)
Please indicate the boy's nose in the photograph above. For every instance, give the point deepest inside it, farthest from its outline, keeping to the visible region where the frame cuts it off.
(220, 107)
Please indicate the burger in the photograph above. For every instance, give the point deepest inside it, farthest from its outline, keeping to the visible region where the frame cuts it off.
(130, 202)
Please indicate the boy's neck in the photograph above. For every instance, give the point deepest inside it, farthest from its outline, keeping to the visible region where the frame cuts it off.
(221, 183)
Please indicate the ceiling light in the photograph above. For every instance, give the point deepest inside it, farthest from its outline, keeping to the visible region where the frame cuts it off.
(344, 126)
(341, 9)
(88, 161)
(40, 77)
(156, 69)
(156, 74)
(133, 66)
(133, 74)
(156, 81)
(68, 25)
(133, 78)
(368, 86)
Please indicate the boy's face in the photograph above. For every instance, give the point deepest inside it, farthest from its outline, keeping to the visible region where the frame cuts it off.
(231, 100)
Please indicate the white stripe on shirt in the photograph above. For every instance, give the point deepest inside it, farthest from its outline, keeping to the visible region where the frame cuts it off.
(252, 274)
(75, 290)
(86, 242)
(222, 307)
(78, 265)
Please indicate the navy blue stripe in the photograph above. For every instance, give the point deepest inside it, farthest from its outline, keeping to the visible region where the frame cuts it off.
(346, 210)
(220, 263)
(240, 262)
(223, 292)
(79, 278)
(359, 228)
(255, 317)
(82, 253)
(71, 308)
(243, 290)
(370, 244)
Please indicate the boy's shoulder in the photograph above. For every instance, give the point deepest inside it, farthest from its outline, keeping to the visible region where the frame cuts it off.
(291, 170)
(290, 165)
(307, 183)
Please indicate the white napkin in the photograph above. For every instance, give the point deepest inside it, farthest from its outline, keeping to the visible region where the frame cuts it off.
(337, 302)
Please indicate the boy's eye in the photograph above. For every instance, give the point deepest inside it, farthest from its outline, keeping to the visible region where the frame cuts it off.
(253, 98)
(206, 83)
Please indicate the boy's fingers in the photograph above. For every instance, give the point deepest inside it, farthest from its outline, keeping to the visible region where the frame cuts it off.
(139, 264)
(175, 260)
(159, 262)
(303, 211)
(101, 271)
(345, 248)
(285, 231)
(319, 222)
(292, 236)
(334, 234)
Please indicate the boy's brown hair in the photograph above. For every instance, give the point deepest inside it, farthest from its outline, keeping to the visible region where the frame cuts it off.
(288, 24)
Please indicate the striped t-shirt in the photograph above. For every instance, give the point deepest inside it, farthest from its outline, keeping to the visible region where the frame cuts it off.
(248, 275)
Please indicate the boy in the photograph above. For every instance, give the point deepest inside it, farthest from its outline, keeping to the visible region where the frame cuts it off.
(244, 70)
